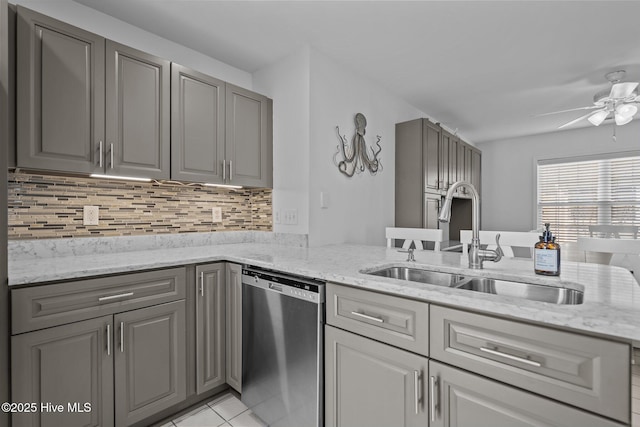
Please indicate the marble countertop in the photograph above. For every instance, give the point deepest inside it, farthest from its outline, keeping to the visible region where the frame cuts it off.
(611, 295)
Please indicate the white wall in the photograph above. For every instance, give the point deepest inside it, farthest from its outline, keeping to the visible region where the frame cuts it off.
(509, 169)
(287, 83)
(312, 94)
(362, 206)
(121, 32)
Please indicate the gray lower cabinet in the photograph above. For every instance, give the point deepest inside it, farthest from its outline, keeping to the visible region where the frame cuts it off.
(60, 95)
(68, 364)
(210, 326)
(371, 384)
(248, 138)
(197, 126)
(234, 326)
(462, 399)
(150, 361)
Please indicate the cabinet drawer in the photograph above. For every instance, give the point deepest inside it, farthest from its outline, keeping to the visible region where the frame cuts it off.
(50, 305)
(586, 372)
(396, 321)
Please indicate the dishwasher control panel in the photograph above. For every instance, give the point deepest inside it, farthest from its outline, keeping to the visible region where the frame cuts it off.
(300, 288)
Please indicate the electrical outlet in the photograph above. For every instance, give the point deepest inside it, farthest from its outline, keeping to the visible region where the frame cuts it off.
(216, 214)
(290, 216)
(276, 217)
(90, 215)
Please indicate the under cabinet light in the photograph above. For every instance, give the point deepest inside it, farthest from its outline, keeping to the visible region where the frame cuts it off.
(125, 178)
(222, 185)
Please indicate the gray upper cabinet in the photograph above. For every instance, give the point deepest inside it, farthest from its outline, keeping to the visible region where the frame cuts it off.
(137, 113)
(197, 126)
(89, 105)
(248, 136)
(210, 326)
(66, 364)
(461, 399)
(430, 152)
(60, 95)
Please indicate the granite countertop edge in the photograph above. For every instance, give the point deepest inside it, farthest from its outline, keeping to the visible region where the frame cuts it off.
(611, 305)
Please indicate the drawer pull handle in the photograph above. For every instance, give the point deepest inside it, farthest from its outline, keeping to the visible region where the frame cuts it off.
(366, 316)
(416, 389)
(511, 357)
(108, 339)
(110, 297)
(121, 337)
(432, 400)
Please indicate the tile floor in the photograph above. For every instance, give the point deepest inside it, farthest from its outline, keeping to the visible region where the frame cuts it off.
(226, 411)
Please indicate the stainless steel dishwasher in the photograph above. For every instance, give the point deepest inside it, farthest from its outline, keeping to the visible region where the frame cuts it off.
(282, 348)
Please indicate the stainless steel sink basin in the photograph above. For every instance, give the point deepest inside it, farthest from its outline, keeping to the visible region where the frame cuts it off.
(418, 275)
(528, 291)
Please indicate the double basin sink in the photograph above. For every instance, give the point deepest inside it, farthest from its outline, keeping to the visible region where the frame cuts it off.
(530, 291)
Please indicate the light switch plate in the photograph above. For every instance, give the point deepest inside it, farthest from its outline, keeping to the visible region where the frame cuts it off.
(216, 214)
(90, 215)
(290, 216)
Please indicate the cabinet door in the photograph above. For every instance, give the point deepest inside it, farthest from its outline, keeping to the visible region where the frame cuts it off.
(210, 327)
(431, 210)
(234, 326)
(409, 182)
(248, 148)
(150, 361)
(197, 126)
(453, 158)
(443, 169)
(137, 113)
(430, 161)
(66, 365)
(368, 383)
(60, 98)
(476, 169)
(462, 399)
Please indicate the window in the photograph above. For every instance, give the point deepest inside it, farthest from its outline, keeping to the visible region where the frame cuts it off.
(574, 194)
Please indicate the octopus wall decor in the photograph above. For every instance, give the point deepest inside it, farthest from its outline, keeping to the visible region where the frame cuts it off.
(355, 156)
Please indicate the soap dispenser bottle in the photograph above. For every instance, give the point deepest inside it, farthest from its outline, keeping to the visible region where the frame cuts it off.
(546, 257)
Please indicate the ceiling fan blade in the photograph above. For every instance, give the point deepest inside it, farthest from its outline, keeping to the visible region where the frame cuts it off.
(576, 120)
(622, 90)
(591, 107)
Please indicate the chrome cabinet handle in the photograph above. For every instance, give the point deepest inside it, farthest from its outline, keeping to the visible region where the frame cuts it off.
(108, 339)
(202, 283)
(432, 398)
(110, 297)
(510, 357)
(224, 170)
(230, 170)
(366, 316)
(416, 389)
(111, 151)
(121, 337)
(100, 154)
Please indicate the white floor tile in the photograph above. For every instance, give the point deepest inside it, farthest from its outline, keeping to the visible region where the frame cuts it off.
(247, 419)
(228, 407)
(201, 417)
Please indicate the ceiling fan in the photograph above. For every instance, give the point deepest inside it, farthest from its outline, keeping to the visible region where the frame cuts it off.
(621, 102)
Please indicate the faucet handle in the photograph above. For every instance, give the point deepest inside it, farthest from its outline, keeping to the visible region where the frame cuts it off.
(499, 251)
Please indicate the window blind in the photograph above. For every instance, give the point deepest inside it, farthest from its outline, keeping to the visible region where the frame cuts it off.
(576, 193)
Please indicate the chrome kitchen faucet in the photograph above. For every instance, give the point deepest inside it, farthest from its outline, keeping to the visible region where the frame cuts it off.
(476, 255)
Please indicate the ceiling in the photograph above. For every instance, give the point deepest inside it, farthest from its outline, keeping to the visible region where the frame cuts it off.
(486, 68)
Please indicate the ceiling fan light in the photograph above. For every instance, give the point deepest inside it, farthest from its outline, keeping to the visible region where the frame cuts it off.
(598, 117)
(626, 110)
(620, 120)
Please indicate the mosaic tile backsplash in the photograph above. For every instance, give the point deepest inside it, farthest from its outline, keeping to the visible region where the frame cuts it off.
(49, 206)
